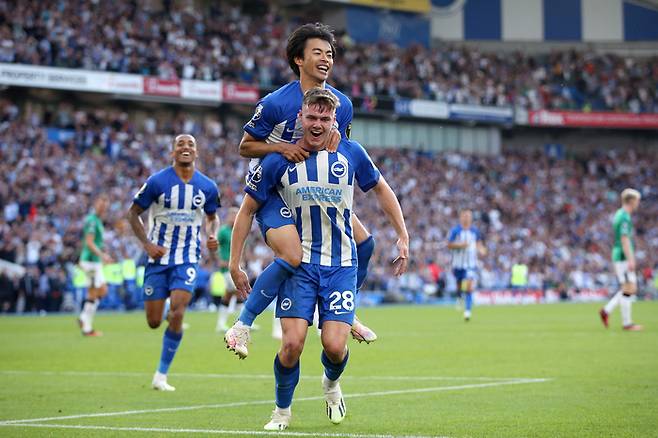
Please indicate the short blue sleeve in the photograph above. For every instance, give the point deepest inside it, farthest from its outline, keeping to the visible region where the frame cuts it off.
(452, 236)
(344, 117)
(264, 119)
(212, 199)
(263, 179)
(366, 173)
(147, 194)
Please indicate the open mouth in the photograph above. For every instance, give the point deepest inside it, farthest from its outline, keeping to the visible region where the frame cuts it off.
(316, 134)
(323, 68)
(186, 154)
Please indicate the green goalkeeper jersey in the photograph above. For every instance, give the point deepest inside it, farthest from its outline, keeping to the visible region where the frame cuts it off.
(224, 240)
(92, 225)
(623, 226)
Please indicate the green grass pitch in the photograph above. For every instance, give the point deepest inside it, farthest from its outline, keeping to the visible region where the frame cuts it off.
(524, 371)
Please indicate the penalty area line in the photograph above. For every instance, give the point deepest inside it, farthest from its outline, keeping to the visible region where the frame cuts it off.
(261, 402)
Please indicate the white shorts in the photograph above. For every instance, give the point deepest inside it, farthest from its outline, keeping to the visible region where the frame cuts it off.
(93, 271)
(624, 275)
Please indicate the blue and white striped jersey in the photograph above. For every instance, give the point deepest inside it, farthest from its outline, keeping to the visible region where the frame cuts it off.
(466, 258)
(276, 120)
(319, 191)
(176, 211)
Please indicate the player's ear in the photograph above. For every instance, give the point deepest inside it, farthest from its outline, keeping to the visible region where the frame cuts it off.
(299, 60)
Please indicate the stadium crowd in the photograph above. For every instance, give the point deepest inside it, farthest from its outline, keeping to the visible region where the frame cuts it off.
(227, 42)
(554, 215)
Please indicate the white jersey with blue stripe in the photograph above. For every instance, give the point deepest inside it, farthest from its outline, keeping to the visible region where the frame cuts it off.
(276, 118)
(466, 258)
(176, 211)
(319, 192)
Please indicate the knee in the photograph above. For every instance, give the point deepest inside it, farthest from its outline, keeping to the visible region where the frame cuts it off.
(176, 317)
(154, 321)
(291, 350)
(334, 350)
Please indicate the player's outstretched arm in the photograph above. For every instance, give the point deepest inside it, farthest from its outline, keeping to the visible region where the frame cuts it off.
(137, 225)
(251, 147)
(241, 228)
(389, 203)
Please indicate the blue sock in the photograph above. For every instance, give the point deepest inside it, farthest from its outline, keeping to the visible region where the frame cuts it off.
(333, 370)
(364, 251)
(170, 343)
(286, 380)
(468, 301)
(265, 290)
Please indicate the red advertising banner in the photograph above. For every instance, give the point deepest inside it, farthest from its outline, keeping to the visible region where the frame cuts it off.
(162, 87)
(592, 120)
(240, 93)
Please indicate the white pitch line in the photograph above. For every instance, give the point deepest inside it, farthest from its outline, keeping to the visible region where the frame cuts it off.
(245, 376)
(220, 431)
(260, 402)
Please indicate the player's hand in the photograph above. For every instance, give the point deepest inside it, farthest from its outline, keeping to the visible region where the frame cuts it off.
(294, 152)
(631, 265)
(333, 140)
(402, 260)
(212, 244)
(241, 282)
(154, 251)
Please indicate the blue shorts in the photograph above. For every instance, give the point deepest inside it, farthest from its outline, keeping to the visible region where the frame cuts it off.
(464, 274)
(273, 213)
(160, 280)
(331, 287)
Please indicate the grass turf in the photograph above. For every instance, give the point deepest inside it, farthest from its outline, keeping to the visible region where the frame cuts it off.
(454, 376)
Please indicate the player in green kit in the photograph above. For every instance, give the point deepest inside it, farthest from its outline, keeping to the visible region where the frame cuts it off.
(623, 258)
(228, 304)
(91, 262)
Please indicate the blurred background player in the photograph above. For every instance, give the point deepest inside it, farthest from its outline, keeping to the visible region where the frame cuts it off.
(92, 258)
(465, 243)
(229, 300)
(177, 198)
(623, 259)
(275, 127)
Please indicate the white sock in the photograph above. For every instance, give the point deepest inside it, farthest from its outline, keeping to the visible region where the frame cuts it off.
(86, 316)
(231, 304)
(328, 383)
(222, 316)
(283, 411)
(625, 304)
(612, 304)
(277, 331)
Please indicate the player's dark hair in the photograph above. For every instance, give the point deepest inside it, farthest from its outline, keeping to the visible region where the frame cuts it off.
(297, 41)
(322, 97)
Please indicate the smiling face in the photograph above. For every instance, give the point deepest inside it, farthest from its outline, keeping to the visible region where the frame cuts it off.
(317, 61)
(184, 150)
(317, 122)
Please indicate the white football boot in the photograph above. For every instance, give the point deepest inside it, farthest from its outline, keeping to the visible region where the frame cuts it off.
(334, 399)
(237, 338)
(160, 382)
(280, 420)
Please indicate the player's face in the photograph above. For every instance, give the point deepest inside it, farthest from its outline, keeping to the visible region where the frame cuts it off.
(466, 218)
(184, 152)
(317, 122)
(318, 59)
(635, 204)
(101, 206)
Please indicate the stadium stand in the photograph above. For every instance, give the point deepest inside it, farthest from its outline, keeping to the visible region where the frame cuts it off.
(225, 42)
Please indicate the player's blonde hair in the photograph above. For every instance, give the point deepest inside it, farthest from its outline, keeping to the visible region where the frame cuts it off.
(322, 97)
(629, 194)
